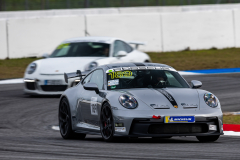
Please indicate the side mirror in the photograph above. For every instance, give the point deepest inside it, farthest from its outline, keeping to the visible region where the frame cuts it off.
(196, 84)
(91, 87)
(45, 55)
(121, 54)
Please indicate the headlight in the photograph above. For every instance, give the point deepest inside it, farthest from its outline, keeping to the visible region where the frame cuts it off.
(210, 100)
(128, 101)
(91, 66)
(31, 68)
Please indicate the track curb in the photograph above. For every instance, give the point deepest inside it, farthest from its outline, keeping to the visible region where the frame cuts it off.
(231, 113)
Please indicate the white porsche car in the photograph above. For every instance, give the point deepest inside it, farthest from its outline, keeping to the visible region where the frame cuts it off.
(45, 76)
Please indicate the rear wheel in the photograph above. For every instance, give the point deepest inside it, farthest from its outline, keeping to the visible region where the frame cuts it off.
(65, 124)
(207, 138)
(107, 124)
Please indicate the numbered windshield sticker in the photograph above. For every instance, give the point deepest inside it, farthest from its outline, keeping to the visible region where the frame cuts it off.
(63, 46)
(93, 105)
(120, 74)
(113, 82)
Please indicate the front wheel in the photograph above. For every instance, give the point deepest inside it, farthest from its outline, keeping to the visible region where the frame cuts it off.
(207, 138)
(65, 125)
(106, 125)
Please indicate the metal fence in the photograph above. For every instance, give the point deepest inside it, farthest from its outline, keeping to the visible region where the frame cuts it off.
(14, 5)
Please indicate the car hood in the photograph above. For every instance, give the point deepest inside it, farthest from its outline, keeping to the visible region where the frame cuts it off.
(165, 98)
(61, 65)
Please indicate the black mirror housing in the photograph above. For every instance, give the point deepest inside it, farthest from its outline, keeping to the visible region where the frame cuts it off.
(91, 87)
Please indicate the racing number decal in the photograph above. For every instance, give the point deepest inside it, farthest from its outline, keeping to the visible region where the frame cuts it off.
(93, 106)
(120, 74)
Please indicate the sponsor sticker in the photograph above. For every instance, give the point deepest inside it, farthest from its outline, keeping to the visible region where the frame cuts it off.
(113, 87)
(93, 106)
(113, 82)
(179, 119)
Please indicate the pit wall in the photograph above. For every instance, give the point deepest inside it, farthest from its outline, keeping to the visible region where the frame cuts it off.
(162, 29)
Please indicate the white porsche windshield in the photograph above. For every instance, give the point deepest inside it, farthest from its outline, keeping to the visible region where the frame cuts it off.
(145, 79)
(82, 49)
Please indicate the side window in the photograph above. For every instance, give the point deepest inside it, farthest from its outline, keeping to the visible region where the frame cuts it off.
(128, 48)
(118, 46)
(87, 79)
(172, 80)
(97, 78)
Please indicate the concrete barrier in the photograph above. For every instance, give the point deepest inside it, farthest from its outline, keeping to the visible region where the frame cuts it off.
(236, 14)
(162, 28)
(35, 36)
(197, 30)
(139, 27)
(3, 39)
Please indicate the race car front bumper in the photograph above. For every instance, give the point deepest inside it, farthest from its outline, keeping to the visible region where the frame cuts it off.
(148, 128)
(205, 124)
(40, 87)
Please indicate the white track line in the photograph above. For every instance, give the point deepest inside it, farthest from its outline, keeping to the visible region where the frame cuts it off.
(11, 81)
(55, 128)
(226, 133)
(231, 133)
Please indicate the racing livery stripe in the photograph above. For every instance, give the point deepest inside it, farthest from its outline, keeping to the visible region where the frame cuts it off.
(168, 96)
(139, 64)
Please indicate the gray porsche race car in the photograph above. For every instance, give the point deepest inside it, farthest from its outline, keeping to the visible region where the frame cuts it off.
(138, 100)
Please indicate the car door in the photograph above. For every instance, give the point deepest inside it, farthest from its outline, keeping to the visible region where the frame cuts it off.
(80, 97)
(91, 101)
(119, 45)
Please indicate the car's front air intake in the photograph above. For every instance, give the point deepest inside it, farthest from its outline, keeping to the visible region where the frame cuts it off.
(53, 88)
(179, 128)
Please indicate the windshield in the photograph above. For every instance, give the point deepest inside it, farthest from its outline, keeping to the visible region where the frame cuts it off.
(145, 79)
(82, 49)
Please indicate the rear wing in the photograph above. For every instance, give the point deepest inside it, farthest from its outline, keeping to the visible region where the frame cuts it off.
(136, 43)
(74, 75)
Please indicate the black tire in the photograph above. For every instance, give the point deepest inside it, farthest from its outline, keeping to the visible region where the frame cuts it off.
(106, 123)
(65, 123)
(207, 138)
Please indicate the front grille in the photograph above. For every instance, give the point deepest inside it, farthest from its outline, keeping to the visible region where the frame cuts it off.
(53, 88)
(30, 85)
(179, 128)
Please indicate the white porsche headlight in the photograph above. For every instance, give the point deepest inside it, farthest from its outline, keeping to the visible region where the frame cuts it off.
(31, 68)
(91, 66)
(128, 101)
(210, 100)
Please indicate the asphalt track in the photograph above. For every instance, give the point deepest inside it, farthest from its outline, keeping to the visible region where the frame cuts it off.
(25, 130)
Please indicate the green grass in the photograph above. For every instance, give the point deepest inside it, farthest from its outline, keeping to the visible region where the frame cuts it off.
(184, 60)
(14, 68)
(199, 59)
(231, 119)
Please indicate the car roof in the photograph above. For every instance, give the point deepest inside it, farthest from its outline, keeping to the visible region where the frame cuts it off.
(91, 39)
(118, 65)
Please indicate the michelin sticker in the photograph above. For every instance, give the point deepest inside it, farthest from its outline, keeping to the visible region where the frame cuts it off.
(113, 82)
(93, 105)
